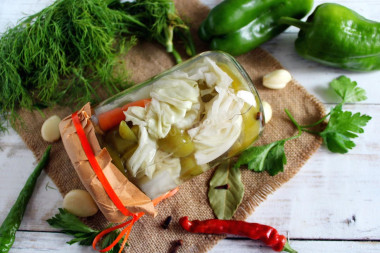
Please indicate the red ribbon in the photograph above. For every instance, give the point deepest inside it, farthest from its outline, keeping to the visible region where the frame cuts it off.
(95, 166)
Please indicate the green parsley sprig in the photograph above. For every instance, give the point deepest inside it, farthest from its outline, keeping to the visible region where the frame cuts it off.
(342, 127)
(83, 234)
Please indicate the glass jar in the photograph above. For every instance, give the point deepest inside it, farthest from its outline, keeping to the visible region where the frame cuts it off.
(181, 122)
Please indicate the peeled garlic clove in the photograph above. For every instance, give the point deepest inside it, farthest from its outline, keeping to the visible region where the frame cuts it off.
(277, 79)
(50, 129)
(80, 203)
(267, 111)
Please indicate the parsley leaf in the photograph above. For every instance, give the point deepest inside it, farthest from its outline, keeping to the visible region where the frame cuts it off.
(83, 234)
(341, 127)
(347, 90)
(270, 158)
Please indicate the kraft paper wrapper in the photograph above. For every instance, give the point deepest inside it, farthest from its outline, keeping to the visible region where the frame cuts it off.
(132, 198)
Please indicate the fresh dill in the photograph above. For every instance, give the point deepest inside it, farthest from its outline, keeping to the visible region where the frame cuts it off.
(66, 52)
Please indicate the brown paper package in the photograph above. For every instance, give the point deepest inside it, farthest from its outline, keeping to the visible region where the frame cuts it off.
(131, 197)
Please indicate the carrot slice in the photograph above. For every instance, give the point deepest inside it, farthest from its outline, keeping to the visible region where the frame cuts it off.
(112, 118)
(141, 103)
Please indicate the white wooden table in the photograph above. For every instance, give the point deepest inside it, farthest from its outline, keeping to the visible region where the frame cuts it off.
(332, 205)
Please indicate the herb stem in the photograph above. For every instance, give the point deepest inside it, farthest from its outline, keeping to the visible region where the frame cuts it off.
(311, 132)
(177, 56)
(294, 122)
(189, 43)
(169, 39)
(316, 123)
(300, 130)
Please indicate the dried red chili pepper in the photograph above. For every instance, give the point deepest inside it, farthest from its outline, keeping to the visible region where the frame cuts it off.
(255, 231)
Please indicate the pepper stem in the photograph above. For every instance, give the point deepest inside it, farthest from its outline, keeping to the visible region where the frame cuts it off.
(294, 22)
(289, 249)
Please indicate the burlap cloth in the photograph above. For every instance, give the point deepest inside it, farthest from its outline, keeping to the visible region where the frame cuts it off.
(147, 60)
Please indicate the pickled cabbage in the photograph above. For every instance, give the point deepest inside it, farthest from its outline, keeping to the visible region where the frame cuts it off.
(220, 127)
(141, 162)
(165, 177)
(200, 101)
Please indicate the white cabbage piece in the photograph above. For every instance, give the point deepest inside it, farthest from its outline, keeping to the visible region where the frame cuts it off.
(172, 99)
(247, 97)
(191, 116)
(160, 118)
(176, 90)
(136, 114)
(165, 178)
(220, 128)
(208, 71)
(142, 160)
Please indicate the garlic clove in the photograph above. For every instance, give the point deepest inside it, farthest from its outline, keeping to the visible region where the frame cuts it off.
(80, 203)
(277, 79)
(267, 111)
(50, 129)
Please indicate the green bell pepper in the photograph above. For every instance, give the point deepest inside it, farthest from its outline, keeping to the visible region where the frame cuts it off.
(238, 26)
(337, 36)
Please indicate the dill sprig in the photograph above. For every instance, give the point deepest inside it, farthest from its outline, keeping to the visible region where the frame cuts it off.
(66, 52)
(55, 55)
(159, 21)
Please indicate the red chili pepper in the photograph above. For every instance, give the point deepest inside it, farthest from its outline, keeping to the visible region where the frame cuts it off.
(255, 231)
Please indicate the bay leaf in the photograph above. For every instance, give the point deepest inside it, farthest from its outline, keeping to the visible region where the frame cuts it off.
(224, 202)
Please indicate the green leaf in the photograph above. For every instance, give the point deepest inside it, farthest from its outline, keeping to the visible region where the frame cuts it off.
(270, 158)
(69, 222)
(341, 128)
(347, 90)
(109, 238)
(224, 202)
(83, 234)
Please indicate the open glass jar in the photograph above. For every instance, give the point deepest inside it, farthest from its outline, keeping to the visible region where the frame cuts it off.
(180, 123)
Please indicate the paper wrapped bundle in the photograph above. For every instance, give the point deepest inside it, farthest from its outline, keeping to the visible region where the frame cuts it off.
(131, 197)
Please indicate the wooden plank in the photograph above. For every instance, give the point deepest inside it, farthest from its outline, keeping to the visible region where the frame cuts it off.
(35, 242)
(247, 246)
(319, 202)
(13, 10)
